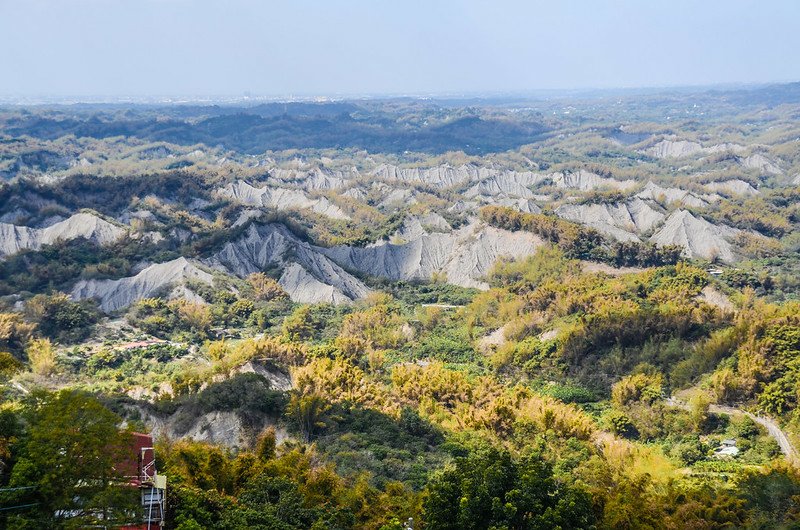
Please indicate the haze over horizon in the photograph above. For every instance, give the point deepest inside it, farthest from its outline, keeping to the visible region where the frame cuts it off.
(118, 48)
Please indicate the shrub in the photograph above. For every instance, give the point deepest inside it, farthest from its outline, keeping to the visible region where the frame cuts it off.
(569, 393)
(9, 365)
(59, 318)
(14, 332)
(621, 425)
(42, 356)
(690, 450)
(265, 288)
(299, 326)
(644, 388)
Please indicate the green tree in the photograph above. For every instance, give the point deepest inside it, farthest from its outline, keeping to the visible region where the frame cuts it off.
(265, 288)
(299, 326)
(59, 318)
(620, 424)
(307, 412)
(266, 444)
(699, 404)
(42, 356)
(9, 365)
(14, 332)
(490, 489)
(72, 455)
(10, 430)
(772, 495)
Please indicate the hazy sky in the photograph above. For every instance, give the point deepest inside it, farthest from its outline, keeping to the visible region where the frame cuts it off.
(330, 47)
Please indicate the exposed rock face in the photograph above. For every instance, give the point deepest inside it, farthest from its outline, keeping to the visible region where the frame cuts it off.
(444, 176)
(585, 180)
(14, 238)
(512, 183)
(302, 286)
(493, 340)
(671, 148)
(280, 199)
(246, 216)
(362, 190)
(383, 195)
(491, 182)
(398, 197)
(308, 276)
(622, 221)
(314, 179)
(356, 193)
(113, 295)
(416, 226)
(142, 215)
(218, 427)
(463, 206)
(732, 187)
(698, 237)
(278, 378)
(464, 255)
(726, 148)
(656, 193)
(712, 296)
(761, 163)
(523, 205)
(796, 180)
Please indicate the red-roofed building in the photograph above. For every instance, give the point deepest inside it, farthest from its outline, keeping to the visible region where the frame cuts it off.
(141, 471)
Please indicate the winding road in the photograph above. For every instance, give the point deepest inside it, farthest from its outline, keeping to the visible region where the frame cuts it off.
(773, 429)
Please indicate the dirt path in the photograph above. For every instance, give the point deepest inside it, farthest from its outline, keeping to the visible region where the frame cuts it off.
(773, 429)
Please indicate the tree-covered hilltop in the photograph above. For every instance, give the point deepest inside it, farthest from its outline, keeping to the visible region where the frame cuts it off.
(253, 130)
(539, 403)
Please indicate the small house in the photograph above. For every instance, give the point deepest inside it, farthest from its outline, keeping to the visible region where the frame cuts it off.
(727, 449)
